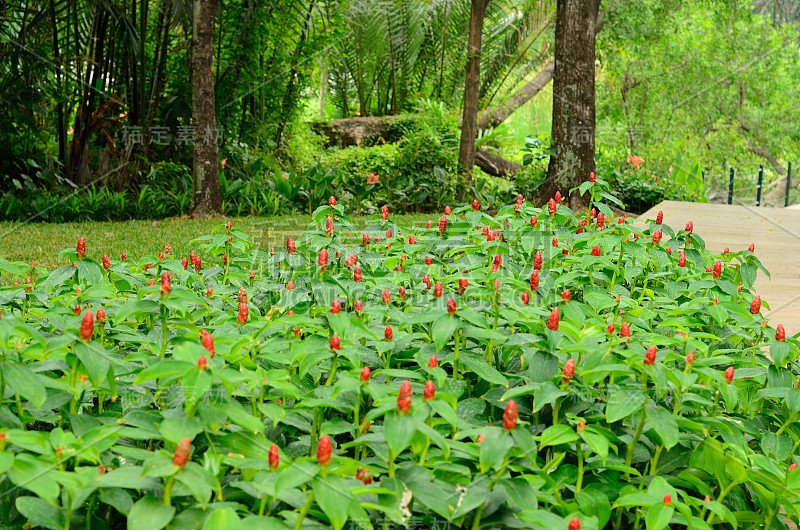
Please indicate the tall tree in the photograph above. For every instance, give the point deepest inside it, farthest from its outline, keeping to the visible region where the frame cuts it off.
(573, 129)
(469, 119)
(206, 198)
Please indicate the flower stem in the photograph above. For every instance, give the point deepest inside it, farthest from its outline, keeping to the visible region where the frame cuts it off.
(164, 331)
(303, 512)
(635, 440)
(168, 490)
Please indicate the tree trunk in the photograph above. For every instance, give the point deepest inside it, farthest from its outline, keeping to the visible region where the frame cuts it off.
(472, 85)
(206, 199)
(573, 129)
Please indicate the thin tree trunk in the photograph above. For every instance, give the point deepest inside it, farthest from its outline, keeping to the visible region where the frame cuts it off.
(60, 124)
(573, 129)
(469, 120)
(206, 199)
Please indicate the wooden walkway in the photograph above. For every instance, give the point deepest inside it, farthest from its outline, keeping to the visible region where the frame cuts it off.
(776, 234)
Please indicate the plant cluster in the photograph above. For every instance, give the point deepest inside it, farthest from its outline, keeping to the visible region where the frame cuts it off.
(639, 189)
(533, 369)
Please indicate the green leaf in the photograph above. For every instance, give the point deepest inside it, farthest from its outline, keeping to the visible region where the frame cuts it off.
(333, 496)
(596, 441)
(89, 271)
(222, 519)
(659, 516)
(478, 364)
(494, 448)
(663, 421)
(164, 368)
(556, 435)
(40, 513)
(94, 359)
(442, 330)
(59, 276)
(399, 430)
(622, 403)
(779, 351)
(150, 513)
(25, 383)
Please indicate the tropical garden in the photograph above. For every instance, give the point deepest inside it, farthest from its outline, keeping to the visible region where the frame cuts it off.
(357, 264)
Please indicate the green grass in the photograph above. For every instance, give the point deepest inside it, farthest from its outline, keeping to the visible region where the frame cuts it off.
(42, 242)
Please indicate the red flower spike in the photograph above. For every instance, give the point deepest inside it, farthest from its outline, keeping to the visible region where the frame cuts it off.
(336, 343)
(537, 261)
(555, 241)
(80, 248)
(324, 451)
(557, 197)
(689, 228)
(290, 246)
(729, 374)
(429, 392)
(289, 285)
(359, 307)
(726, 251)
(551, 206)
(463, 283)
(151, 283)
(657, 235)
(534, 280)
(166, 283)
(274, 457)
(600, 220)
(433, 362)
(552, 320)
(209, 292)
(534, 221)
(755, 305)
(404, 397)
(185, 263)
(610, 328)
(526, 298)
(241, 317)
(387, 296)
(510, 415)
(481, 438)
(592, 177)
(780, 333)
(581, 426)
(336, 306)
(384, 212)
(717, 269)
(387, 333)
(322, 260)
(357, 277)
(574, 524)
(437, 290)
(650, 356)
(198, 264)
(660, 217)
(752, 247)
(101, 316)
(123, 256)
(667, 499)
(569, 371)
(202, 363)
(442, 225)
(365, 373)
(690, 358)
(596, 251)
(106, 262)
(451, 305)
(792, 467)
(332, 201)
(475, 205)
(429, 261)
(682, 259)
(181, 455)
(87, 324)
(208, 344)
(707, 499)
(565, 295)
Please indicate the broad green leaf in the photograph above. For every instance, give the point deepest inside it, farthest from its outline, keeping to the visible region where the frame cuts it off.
(150, 513)
(557, 435)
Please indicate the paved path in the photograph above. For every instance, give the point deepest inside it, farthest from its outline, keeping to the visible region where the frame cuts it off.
(776, 234)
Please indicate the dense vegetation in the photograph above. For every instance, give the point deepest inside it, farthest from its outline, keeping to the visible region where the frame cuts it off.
(535, 368)
(688, 86)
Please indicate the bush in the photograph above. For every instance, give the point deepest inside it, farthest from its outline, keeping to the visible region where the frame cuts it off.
(639, 190)
(487, 372)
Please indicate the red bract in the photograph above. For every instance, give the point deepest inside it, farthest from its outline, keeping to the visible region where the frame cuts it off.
(181, 455)
(657, 235)
(336, 306)
(569, 371)
(106, 262)
(80, 248)
(322, 260)
(357, 277)
(592, 177)
(429, 391)
(208, 343)
(365, 373)
(437, 290)
(387, 296)
(717, 269)
(274, 457)
(359, 307)
(332, 201)
(210, 292)
(241, 317)
(290, 247)
(463, 283)
(151, 283)
(101, 316)
(551, 206)
(87, 324)
(433, 362)
(185, 263)
(202, 363)
(752, 247)
(755, 305)
(650, 355)
(497, 262)
(555, 241)
(600, 220)
(526, 298)
(198, 264)
(557, 197)
(780, 333)
(451, 305)
(610, 328)
(690, 358)
(361, 474)
(565, 295)
(447, 210)
(475, 205)
(537, 261)
(166, 283)
(335, 342)
(384, 212)
(289, 285)
(510, 415)
(412, 240)
(729, 374)
(534, 280)
(534, 221)
(429, 261)
(404, 397)
(442, 225)
(682, 259)
(387, 333)
(596, 251)
(659, 217)
(123, 256)
(689, 227)
(324, 451)
(552, 320)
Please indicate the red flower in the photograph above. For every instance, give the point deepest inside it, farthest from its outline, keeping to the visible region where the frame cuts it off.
(534, 280)
(689, 228)
(208, 343)
(324, 451)
(729, 374)
(322, 260)
(717, 269)
(151, 283)
(690, 358)
(463, 283)
(359, 307)
(290, 246)
(386, 296)
(228, 225)
(274, 457)
(241, 318)
(755, 305)
(198, 264)
(361, 474)
(442, 225)
(427, 280)
(526, 298)
(669, 251)
(752, 247)
(429, 261)
(565, 295)
(600, 220)
(412, 240)
(650, 355)
(557, 197)
(780, 333)
(510, 415)
(106, 262)
(357, 277)
(433, 362)
(385, 212)
(447, 210)
(659, 217)
(497, 262)
(792, 467)
(365, 373)
(569, 371)
(80, 248)
(682, 259)
(429, 391)
(336, 306)
(161, 257)
(451, 305)
(437, 290)
(185, 263)
(726, 251)
(332, 201)
(290, 285)
(166, 283)
(555, 241)
(551, 205)
(123, 256)
(552, 320)
(610, 328)
(657, 235)
(101, 315)
(534, 221)
(404, 397)
(667, 499)
(365, 239)
(336, 344)
(387, 333)
(596, 251)
(202, 363)
(591, 177)
(181, 455)
(87, 324)
(475, 205)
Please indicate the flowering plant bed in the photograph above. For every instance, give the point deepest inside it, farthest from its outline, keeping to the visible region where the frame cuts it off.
(533, 369)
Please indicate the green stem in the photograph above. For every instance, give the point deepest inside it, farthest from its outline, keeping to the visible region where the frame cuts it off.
(656, 456)
(356, 413)
(168, 490)
(789, 421)
(391, 463)
(635, 440)
(727, 489)
(457, 341)
(164, 331)
(614, 276)
(556, 406)
(332, 375)
(314, 428)
(579, 484)
(303, 512)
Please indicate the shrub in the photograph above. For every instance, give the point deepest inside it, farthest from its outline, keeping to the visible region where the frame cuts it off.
(485, 371)
(639, 189)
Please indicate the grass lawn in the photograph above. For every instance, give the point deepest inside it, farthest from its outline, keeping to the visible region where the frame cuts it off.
(42, 242)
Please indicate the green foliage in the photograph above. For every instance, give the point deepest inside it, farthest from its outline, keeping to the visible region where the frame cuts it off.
(269, 421)
(639, 189)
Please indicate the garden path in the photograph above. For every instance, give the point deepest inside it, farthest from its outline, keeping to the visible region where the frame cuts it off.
(776, 234)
